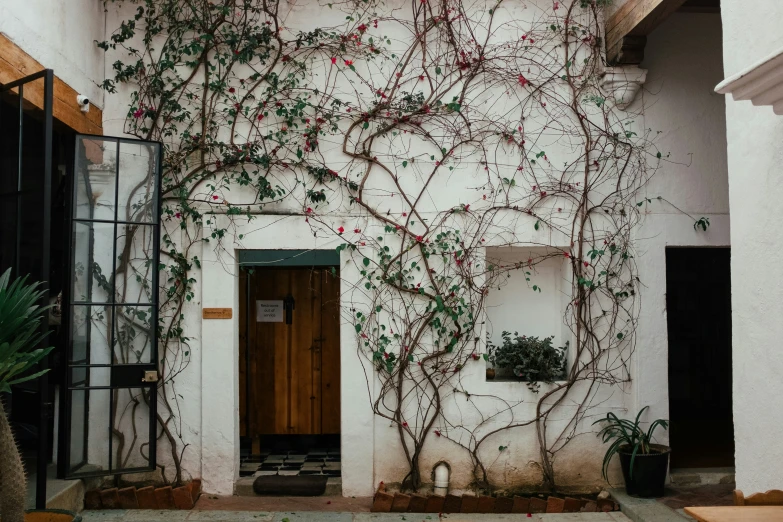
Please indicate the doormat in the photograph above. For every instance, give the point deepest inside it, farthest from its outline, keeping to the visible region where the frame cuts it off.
(290, 485)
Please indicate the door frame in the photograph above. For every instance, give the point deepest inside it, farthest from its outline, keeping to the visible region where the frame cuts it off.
(297, 258)
(219, 386)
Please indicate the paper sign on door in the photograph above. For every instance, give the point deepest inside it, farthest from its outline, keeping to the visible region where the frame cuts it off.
(269, 311)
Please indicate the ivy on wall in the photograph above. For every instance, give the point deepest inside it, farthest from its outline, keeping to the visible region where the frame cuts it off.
(415, 135)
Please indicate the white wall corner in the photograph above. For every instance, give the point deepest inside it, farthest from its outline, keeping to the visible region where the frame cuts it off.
(623, 83)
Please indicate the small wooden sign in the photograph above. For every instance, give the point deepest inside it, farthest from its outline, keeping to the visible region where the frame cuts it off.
(217, 313)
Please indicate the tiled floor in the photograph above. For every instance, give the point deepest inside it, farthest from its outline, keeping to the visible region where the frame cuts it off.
(319, 461)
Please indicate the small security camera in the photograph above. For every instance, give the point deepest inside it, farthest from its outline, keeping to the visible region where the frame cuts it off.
(84, 102)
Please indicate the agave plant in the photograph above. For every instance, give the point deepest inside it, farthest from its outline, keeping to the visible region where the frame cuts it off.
(626, 434)
(20, 336)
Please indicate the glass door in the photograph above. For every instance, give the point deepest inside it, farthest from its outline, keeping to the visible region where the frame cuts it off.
(109, 415)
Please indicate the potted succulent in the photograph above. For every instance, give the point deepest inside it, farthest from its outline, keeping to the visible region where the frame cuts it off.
(20, 336)
(529, 359)
(644, 464)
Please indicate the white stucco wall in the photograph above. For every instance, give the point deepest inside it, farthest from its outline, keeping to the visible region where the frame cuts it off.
(683, 59)
(679, 103)
(60, 35)
(750, 33)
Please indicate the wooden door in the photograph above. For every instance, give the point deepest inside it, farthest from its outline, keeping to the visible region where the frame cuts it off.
(293, 382)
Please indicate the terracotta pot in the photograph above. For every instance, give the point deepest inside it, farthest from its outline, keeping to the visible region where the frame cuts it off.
(490, 374)
(51, 515)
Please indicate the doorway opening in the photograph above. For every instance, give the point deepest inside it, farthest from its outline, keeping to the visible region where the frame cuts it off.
(698, 304)
(289, 363)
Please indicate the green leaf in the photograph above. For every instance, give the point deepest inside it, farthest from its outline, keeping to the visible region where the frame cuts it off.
(404, 164)
(366, 261)
(358, 327)
(437, 70)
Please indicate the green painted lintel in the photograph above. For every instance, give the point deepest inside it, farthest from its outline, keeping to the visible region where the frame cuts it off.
(289, 258)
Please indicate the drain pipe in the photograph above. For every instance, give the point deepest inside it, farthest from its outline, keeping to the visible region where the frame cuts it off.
(440, 476)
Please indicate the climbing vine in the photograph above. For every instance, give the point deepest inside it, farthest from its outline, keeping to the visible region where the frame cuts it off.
(426, 138)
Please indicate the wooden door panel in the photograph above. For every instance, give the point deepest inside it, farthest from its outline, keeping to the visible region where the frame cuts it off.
(294, 369)
(330, 352)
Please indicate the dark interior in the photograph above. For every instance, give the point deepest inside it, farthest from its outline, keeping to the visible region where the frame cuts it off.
(698, 305)
(21, 236)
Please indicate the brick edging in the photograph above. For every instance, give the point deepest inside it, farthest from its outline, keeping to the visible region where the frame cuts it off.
(149, 497)
(384, 502)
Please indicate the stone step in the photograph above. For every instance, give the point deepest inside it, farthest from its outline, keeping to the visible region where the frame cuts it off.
(244, 487)
(684, 477)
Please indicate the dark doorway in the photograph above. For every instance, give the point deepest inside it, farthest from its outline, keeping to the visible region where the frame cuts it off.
(698, 304)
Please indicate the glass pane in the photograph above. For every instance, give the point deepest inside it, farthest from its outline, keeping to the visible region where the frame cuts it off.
(138, 182)
(93, 248)
(78, 435)
(90, 335)
(131, 428)
(83, 377)
(95, 175)
(90, 440)
(135, 254)
(133, 334)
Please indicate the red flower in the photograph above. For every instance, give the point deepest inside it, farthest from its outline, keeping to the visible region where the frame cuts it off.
(419, 238)
(362, 28)
(356, 230)
(340, 230)
(215, 196)
(587, 264)
(232, 90)
(522, 80)
(437, 432)
(349, 62)
(421, 78)
(405, 424)
(260, 117)
(557, 6)
(138, 113)
(309, 210)
(177, 215)
(566, 254)
(334, 59)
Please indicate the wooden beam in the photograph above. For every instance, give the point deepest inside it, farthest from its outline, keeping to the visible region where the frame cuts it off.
(635, 18)
(16, 64)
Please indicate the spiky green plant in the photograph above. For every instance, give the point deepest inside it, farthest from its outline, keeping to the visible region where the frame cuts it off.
(625, 433)
(20, 335)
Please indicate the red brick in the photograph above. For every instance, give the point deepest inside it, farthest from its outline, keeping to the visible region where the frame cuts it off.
(504, 504)
(400, 503)
(605, 505)
(521, 505)
(434, 504)
(110, 499)
(452, 504)
(164, 497)
(146, 498)
(128, 498)
(195, 489)
(418, 504)
(572, 505)
(182, 498)
(555, 505)
(537, 505)
(382, 502)
(92, 499)
(469, 504)
(486, 504)
(590, 507)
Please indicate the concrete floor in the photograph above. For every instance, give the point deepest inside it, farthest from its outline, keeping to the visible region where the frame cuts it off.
(321, 516)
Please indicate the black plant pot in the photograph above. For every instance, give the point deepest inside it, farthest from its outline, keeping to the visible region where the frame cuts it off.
(649, 471)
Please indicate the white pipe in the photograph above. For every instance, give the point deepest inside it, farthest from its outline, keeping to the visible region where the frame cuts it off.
(441, 482)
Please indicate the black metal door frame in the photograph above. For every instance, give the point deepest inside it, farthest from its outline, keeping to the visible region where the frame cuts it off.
(46, 407)
(121, 375)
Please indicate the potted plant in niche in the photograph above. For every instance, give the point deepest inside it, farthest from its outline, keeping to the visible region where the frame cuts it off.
(20, 335)
(528, 359)
(644, 464)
